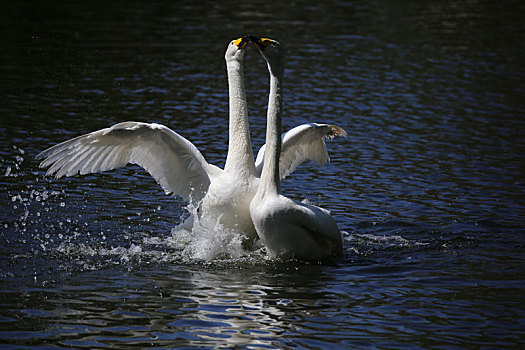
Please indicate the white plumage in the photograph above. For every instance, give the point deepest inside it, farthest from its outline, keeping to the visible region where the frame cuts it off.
(288, 228)
(304, 142)
(180, 168)
(174, 162)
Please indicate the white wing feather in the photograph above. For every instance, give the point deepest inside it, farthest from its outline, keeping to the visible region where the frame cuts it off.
(174, 162)
(304, 142)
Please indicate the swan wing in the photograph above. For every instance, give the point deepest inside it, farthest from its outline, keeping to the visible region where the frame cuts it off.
(292, 229)
(174, 162)
(320, 225)
(304, 142)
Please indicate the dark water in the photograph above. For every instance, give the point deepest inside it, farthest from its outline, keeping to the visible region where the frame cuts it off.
(429, 186)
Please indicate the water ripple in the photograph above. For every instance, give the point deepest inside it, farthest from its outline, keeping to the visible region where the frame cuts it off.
(428, 187)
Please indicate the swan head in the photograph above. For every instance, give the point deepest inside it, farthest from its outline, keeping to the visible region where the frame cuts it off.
(235, 49)
(272, 52)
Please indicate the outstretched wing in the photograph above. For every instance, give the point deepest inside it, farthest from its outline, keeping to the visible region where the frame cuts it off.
(174, 162)
(304, 142)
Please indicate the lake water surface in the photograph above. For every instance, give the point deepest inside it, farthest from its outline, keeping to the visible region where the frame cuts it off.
(428, 187)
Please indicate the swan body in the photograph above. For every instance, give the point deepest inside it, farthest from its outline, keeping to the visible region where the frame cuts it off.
(288, 229)
(224, 195)
(229, 194)
(294, 230)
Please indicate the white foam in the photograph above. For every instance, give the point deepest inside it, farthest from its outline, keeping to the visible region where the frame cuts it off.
(206, 240)
(383, 241)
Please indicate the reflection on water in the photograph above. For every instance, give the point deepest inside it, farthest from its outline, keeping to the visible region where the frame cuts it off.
(428, 187)
(273, 305)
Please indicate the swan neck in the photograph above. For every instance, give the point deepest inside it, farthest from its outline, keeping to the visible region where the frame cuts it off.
(270, 180)
(240, 154)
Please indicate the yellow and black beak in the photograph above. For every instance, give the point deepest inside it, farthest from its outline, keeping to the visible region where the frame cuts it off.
(261, 43)
(241, 43)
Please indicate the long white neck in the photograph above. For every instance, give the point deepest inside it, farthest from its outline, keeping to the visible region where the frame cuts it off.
(270, 180)
(240, 154)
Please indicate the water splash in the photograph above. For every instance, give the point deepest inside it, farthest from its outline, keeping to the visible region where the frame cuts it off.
(55, 226)
(14, 169)
(203, 239)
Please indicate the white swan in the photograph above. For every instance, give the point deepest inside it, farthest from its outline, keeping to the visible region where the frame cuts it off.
(289, 229)
(179, 167)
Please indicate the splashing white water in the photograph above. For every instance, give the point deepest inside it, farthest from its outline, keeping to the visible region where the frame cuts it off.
(201, 238)
(195, 241)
